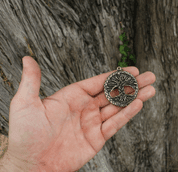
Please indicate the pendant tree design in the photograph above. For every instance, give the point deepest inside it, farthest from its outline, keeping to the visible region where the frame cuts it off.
(119, 79)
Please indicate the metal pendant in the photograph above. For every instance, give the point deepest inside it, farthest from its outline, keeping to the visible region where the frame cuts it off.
(119, 79)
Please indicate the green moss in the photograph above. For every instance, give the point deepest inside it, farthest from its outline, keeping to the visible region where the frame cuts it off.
(124, 50)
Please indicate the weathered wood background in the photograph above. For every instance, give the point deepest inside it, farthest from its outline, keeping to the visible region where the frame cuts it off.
(74, 40)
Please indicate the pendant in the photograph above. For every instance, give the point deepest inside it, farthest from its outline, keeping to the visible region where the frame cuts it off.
(119, 79)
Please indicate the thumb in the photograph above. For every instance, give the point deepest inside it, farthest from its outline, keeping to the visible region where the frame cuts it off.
(30, 83)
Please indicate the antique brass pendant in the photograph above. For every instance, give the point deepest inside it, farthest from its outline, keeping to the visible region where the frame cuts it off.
(119, 79)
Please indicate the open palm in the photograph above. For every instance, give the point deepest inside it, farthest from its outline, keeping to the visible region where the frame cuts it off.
(65, 130)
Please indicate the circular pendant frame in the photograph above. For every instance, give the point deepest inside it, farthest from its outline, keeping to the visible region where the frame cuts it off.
(119, 79)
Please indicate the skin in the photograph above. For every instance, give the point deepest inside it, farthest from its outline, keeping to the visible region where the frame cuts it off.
(67, 129)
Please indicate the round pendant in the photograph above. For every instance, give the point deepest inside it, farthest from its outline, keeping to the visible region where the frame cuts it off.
(119, 79)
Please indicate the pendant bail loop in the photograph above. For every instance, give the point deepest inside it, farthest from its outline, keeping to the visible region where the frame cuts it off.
(119, 68)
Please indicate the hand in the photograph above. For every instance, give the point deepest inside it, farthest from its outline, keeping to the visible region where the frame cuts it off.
(67, 129)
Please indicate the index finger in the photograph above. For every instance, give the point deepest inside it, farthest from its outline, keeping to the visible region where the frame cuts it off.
(95, 85)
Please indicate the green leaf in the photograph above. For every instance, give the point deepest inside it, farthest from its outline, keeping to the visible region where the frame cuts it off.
(127, 49)
(124, 58)
(123, 37)
(121, 49)
(132, 58)
(122, 64)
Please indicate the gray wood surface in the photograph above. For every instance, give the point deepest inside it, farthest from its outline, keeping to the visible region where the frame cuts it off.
(74, 40)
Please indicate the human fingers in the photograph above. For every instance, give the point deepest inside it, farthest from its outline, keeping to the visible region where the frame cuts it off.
(29, 86)
(113, 124)
(94, 85)
(110, 110)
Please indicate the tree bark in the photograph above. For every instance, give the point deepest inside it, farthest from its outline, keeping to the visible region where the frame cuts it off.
(75, 40)
(156, 126)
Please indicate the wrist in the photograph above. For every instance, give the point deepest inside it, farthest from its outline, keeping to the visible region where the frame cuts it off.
(11, 164)
(8, 164)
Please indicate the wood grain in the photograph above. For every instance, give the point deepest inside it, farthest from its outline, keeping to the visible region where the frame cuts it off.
(75, 40)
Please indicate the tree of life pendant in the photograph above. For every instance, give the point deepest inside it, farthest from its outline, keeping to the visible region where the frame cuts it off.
(118, 80)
